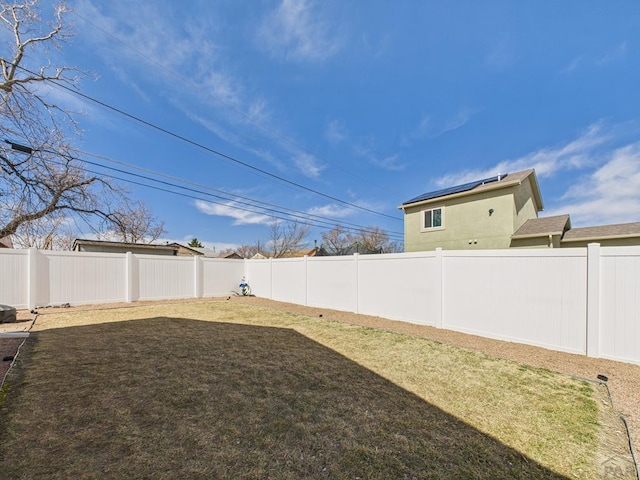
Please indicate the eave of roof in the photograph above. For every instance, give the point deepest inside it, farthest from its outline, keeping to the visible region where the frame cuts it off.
(509, 180)
(601, 232)
(123, 244)
(543, 227)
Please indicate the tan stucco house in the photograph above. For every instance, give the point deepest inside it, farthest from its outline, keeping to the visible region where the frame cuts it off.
(499, 212)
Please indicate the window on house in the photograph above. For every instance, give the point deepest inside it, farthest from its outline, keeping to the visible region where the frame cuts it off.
(433, 218)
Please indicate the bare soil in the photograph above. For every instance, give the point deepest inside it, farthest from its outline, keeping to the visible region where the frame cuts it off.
(623, 378)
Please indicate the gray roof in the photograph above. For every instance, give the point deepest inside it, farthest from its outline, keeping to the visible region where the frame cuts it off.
(80, 241)
(487, 184)
(207, 252)
(620, 230)
(5, 242)
(542, 227)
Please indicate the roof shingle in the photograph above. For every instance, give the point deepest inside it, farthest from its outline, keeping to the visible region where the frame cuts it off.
(619, 230)
(542, 227)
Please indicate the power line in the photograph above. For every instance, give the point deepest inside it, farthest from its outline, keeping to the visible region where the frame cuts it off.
(209, 149)
(257, 207)
(249, 118)
(223, 194)
(286, 217)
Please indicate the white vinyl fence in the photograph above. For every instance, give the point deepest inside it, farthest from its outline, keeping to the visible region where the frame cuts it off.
(582, 300)
(32, 278)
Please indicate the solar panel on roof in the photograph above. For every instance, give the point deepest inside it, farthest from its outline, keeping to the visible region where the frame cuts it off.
(451, 190)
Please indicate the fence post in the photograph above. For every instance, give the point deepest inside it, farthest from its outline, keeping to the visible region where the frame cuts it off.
(32, 278)
(593, 300)
(197, 277)
(356, 258)
(306, 280)
(270, 278)
(130, 276)
(438, 309)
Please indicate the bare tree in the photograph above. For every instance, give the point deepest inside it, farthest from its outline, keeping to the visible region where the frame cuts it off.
(52, 233)
(41, 178)
(339, 241)
(375, 239)
(132, 224)
(285, 238)
(247, 251)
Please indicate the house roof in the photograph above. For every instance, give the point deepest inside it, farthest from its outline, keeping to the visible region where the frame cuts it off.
(5, 242)
(478, 186)
(620, 230)
(543, 227)
(193, 250)
(79, 241)
(207, 252)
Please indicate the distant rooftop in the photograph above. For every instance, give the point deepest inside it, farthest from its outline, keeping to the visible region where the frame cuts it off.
(620, 230)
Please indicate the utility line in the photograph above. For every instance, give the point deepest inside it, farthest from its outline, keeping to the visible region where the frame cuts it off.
(306, 221)
(235, 197)
(209, 149)
(303, 218)
(249, 118)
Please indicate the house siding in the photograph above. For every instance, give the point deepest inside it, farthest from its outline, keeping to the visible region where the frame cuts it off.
(467, 223)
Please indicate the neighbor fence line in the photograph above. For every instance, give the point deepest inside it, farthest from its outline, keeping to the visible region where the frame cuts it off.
(583, 300)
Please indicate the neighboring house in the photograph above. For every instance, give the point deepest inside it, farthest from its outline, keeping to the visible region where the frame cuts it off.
(541, 232)
(622, 234)
(482, 215)
(232, 255)
(186, 250)
(499, 212)
(6, 242)
(80, 245)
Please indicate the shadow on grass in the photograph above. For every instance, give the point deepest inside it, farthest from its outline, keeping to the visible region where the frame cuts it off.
(171, 398)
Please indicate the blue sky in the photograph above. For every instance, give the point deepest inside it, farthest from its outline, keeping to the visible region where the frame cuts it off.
(369, 103)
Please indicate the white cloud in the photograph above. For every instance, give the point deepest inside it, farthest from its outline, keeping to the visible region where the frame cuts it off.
(331, 210)
(605, 184)
(616, 54)
(233, 210)
(307, 164)
(574, 155)
(296, 29)
(610, 194)
(501, 56)
(430, 127)
(336, 132)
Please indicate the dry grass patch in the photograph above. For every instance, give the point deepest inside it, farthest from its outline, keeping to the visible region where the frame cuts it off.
(221, 390)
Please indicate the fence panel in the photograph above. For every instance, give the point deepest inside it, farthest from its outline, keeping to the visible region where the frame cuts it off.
(400, 287)
(332, 282)
(258, 274)
(14, 277)
(221, 276)
(162, 277)
(533, 297)
(288, 277)
(620, 303)
(80, 278)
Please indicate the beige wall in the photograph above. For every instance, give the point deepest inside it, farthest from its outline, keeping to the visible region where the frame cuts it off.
(467, 222)
(113, 249)
(536, 242)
